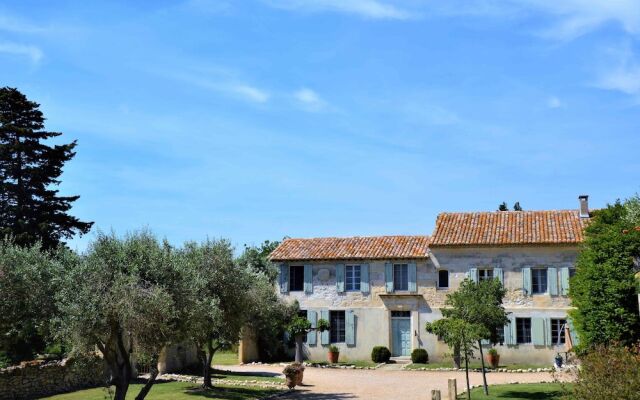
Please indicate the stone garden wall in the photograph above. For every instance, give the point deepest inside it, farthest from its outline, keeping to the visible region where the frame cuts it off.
(35, 379)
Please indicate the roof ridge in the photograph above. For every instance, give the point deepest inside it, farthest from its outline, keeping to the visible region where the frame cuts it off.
(506, 212)
(358, 237)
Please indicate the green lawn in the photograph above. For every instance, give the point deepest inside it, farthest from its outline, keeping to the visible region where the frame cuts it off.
(225, 358)
(472, 365)
(523, 391)
(174, 390)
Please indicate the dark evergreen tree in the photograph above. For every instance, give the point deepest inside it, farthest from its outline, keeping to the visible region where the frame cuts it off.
(31, 209)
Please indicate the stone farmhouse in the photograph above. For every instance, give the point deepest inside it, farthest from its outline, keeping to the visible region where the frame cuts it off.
(382, 290)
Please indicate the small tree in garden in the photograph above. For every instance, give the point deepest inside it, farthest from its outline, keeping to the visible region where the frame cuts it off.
(299, 328)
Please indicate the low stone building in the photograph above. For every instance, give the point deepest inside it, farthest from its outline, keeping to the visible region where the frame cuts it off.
(382, 290)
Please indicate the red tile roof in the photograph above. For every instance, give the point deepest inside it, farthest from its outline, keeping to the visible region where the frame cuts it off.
(503, 228)
(369, 248)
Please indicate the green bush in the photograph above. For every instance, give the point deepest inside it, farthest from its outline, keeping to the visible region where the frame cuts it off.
(380, 354)
(609, 373)
(334, 349)
(419, 356)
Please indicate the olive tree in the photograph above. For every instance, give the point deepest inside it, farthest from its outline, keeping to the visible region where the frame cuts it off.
(122, 298)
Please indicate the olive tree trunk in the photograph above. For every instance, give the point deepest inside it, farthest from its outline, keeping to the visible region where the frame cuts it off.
(484, 374)
(299, 347)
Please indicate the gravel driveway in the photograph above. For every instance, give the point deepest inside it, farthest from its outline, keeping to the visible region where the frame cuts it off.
(326, 383)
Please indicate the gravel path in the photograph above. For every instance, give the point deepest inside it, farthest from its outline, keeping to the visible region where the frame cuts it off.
(326, 383)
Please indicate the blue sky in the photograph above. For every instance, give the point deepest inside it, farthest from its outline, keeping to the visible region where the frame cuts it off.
(253, 120)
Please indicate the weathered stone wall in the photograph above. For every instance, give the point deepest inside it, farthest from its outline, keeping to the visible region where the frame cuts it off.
(36, 379)
(177, 357)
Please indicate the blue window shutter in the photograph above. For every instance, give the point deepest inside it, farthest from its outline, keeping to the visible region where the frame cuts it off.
(547, 324)
(575, 340)
(526, 280)
(324, 336)
(499, 273)
(509, 331)
(552, 281)
(413, 277)
(350, 328)
(284, 278)
(388, 277)
(340, 278)
(564, 281)
(537, 331)
(473, 274)
(364, 278)
(308, 279)
(312, 335)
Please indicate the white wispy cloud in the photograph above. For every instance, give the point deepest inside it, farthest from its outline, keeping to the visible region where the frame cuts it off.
(373, 9)
(250, 92)
(14, 24)
(32, 52)
(554, 102)
(309, 99)
(622, 71)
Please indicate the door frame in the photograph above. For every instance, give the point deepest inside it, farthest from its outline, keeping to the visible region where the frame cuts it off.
(406, 318)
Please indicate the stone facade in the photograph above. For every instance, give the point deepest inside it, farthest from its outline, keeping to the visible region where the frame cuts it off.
(373, 309)
(36, 379)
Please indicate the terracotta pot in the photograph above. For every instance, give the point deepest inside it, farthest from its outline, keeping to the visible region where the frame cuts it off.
(299, 377)
(493, 360)
(333, 357)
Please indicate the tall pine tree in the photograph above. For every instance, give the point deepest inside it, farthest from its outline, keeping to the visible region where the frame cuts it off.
(31, 209)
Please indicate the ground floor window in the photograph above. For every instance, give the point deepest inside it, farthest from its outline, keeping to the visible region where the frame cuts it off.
(523, 330)
(557, 331)
(303, 314)
(336, 323)
(500, 335)
(443, 279)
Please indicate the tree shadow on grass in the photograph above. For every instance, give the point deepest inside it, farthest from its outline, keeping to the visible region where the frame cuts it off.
(307, 395)
(220, 373)
(540, 395)
(230, 393)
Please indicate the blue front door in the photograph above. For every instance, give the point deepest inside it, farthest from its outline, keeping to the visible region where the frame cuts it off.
(401, 334)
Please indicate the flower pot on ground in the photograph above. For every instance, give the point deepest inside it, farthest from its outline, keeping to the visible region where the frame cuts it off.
(558, 360)
(493, 358)
(334, 354)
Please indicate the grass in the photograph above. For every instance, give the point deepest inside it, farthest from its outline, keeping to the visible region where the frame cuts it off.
(472, 365)
(174, 390)
(225, 358)
(523, 391)
(356, 363)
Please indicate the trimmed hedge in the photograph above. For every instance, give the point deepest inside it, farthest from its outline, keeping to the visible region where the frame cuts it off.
(380, 354)
(419, 356)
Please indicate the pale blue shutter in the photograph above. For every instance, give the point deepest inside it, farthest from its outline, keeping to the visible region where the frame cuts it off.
(284, 278)
(413, 277)
(564, 281)
(526, 280)
(547, 324)
(473, 274)
(364, 278)
(498, 273)
(575, 340)
(340, 278)
(308, 279)
(350, 328)
(537, 331)
(312, 336)
(552, 281)
(324, 336)
(509, 331)
(388, 277)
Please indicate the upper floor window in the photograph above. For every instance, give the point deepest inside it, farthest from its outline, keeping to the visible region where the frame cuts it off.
(401, 277)
(296, 278)
(443, 279)
(336, 326)
(352, 278)
(523, 330)
(539, 280)
(485, 274)
(557, 331)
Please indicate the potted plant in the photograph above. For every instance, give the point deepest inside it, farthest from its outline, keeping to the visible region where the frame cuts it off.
(334, 354)
(294, 373)
(299, 328)
(559, 360)
(493, 358)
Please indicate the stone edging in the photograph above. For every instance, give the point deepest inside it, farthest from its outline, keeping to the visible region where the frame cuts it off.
(230, 382)
(513, 371)
(334, 366)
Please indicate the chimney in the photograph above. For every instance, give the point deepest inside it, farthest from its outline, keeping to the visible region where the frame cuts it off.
(584, 206)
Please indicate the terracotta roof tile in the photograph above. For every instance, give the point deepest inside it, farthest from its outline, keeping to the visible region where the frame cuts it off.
(369, 248)
(508, 228)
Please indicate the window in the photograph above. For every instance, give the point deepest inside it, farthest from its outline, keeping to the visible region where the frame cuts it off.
(539, 280)
(572, 272)
(523, 330)
(400, 314)
(557, 331)
(352, 278)
(336, 322)
(500, 335)
(485, 274)
(303, 314)
(296, 278)
(401, 277)
(443, 279)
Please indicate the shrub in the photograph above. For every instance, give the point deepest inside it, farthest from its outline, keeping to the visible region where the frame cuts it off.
(609, 373)
(419, 356)
(492, 352)
(334, 349)
(380, 354)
